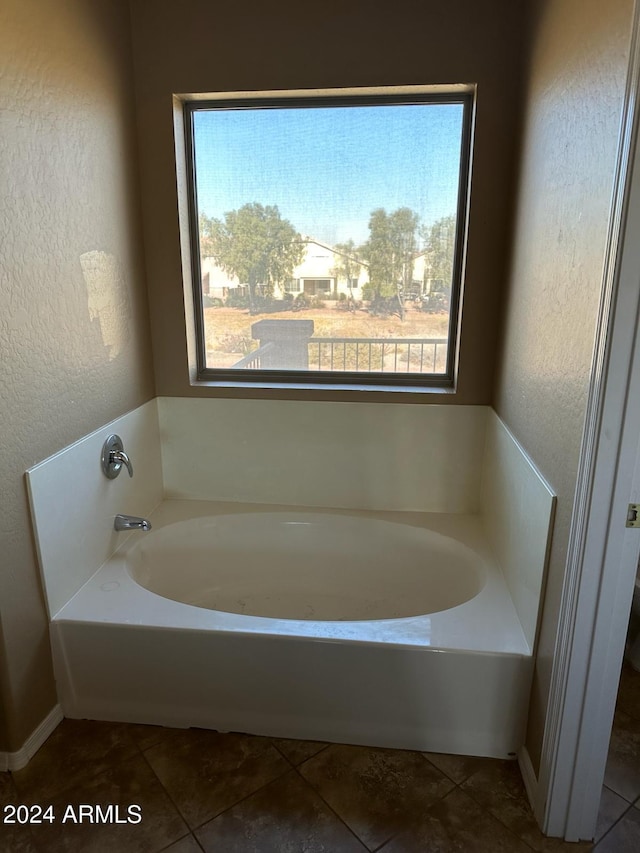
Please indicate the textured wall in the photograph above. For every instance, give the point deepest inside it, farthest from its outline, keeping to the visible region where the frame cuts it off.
(576, 85)
(210, 47)
(74, 340)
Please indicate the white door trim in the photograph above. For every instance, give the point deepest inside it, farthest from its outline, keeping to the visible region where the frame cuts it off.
(602, 553)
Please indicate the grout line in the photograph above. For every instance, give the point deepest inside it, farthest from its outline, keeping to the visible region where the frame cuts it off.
(237, 803)
(446, 775)
(391, 838)
(295, 766)
(312, 787)
(615, 823)
(492, 816)
(621, 796)
(242, 800)
(228, 808)
(171, 800)
(182, 838)
(488, 811)
(457, 786)
(193, 835)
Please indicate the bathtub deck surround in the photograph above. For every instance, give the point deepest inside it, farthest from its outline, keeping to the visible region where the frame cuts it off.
(73, 505)
(351, 664)
(378, 456)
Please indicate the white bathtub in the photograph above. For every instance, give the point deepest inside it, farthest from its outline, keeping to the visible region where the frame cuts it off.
(389, 629)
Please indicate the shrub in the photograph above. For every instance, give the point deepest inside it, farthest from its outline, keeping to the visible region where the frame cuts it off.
(212, 302)
(236, 344)
(435, 302)
(237, 299)
(384, 306)
(265, 305)
(302, 301)
(348, 304)
(368, 293)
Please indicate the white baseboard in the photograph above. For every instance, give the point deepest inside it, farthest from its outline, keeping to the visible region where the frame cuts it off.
(18, 760)
(530, 779)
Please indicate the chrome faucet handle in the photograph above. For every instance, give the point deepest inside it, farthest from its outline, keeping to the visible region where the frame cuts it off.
(119, 456)
(114, 457)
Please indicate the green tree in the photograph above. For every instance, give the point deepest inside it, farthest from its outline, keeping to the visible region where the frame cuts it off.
(347, 265)
(257, 245)
(205, 225)
(439, 247)
(390, 252)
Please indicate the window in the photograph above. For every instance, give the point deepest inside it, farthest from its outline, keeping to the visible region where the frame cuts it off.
(317, 286)
(328, 236)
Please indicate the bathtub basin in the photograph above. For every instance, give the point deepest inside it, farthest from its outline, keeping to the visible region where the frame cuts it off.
(316, 566)
(385, 629)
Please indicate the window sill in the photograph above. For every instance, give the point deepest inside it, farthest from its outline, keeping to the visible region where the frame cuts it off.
(323, 387)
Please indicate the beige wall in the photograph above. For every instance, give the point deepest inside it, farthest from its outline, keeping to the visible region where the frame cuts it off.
(576, 84)
(208, 47)
(74, 341)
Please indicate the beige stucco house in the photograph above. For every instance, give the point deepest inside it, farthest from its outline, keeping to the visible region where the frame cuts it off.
(321, 273)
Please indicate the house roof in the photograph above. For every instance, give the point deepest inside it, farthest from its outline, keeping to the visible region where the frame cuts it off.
(307, 239)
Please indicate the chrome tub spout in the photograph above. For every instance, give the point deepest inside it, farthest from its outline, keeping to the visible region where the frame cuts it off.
(131, 522)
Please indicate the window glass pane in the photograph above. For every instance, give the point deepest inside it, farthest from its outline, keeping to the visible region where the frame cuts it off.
(327, 235)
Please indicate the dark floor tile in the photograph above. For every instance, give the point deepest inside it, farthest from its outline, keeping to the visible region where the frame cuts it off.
(624, 837)
(146, 736)
(206, 772)
(129, 783)
(297, 751)
(456, 823)
(286, 816)
(460, 767)
(76, 751)
(557, 845)
(7, 790)
(629, 692)
(499, 788)
(377, 792)
(612, 807)
(622, 773)
(15, 837)
(188, 844)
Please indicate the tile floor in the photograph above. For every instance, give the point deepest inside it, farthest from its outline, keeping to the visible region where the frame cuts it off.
(231, 793)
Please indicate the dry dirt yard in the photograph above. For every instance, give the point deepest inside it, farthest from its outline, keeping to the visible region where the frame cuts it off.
(228, 330)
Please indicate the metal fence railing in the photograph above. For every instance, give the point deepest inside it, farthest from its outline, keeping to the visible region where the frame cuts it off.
(290, 345)
(388, 355)
(253, 360)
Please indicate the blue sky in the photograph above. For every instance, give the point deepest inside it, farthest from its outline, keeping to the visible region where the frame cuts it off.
(327, 168)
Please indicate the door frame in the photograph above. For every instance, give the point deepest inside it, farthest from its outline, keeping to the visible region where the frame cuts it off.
(603, 553)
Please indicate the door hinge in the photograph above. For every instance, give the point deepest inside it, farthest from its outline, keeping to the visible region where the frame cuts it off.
(633, 515)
